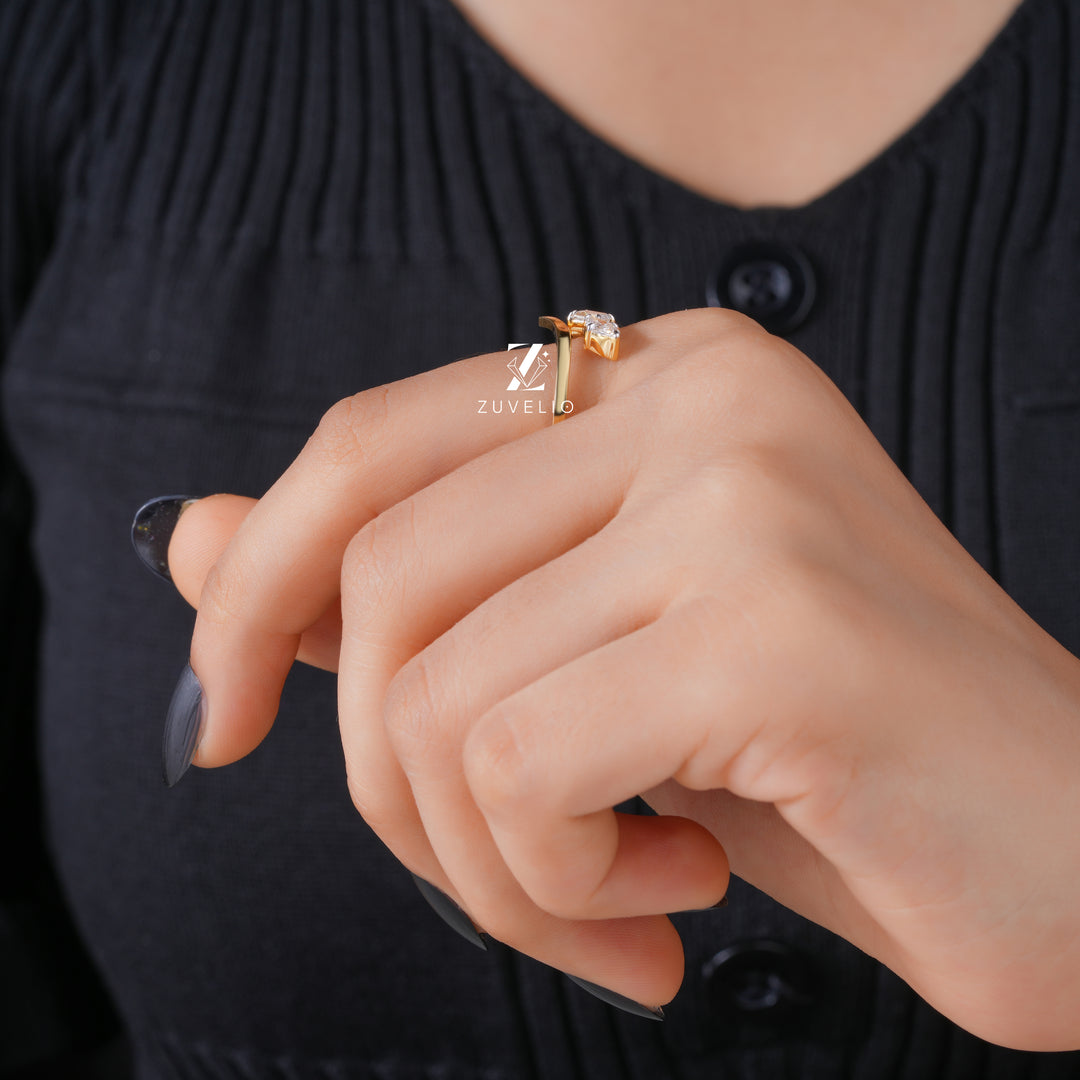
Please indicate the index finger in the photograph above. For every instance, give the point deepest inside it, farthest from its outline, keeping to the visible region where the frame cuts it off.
(282, 568)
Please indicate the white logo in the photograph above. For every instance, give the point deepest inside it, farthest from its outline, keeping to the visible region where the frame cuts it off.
(529, 368)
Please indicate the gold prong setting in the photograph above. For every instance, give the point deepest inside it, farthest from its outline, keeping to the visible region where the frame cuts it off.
(600, 330)
(601, 334)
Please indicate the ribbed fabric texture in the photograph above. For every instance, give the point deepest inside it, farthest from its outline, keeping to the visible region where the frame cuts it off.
(218, 219)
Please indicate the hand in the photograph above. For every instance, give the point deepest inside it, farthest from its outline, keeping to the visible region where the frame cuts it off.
(712, 586)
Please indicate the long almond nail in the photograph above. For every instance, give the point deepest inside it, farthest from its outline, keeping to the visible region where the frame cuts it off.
(152, 530)
(620, 1001)
(721, 903)
(450, 913)
(184, 724)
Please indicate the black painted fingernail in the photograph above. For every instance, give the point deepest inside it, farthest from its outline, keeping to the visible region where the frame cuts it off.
(183, 726)
(450, 913)
(618, 1000)
(153, 528)
(722, 902)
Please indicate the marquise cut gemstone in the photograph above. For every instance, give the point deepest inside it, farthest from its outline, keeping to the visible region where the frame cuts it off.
(600, 329)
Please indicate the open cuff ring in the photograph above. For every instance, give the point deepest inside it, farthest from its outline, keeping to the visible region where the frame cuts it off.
(601, 333)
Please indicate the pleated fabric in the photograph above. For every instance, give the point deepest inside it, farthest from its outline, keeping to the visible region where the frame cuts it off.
(218, 219)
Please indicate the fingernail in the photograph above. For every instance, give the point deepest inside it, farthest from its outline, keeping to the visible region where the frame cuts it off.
(450, 913)
(618, 1000)
(153, 528)
(722, 902)
(183, 726)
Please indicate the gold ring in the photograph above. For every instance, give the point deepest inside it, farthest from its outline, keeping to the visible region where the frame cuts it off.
(601, 334)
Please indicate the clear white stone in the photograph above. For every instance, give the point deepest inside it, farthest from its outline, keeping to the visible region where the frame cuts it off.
(597, 323)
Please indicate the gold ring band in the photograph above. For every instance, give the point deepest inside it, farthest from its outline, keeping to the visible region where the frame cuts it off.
(601, 334)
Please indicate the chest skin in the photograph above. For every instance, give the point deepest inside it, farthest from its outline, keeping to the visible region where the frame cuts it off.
(751, 104)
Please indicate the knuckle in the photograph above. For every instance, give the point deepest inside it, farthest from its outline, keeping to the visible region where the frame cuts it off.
(730, 349)
(497, 769)
(357, 562)
(706, 329)
(376, 558)
(361, 588)
(715, 321)
(413, 714)
(350, 432)
(222, 595)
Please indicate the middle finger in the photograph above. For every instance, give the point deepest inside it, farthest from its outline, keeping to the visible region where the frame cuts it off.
(413, 574)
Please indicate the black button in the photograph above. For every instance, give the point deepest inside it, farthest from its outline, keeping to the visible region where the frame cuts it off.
(771, 283)
(765, 979)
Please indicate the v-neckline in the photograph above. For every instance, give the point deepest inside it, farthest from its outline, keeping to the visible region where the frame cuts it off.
(521, 88)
